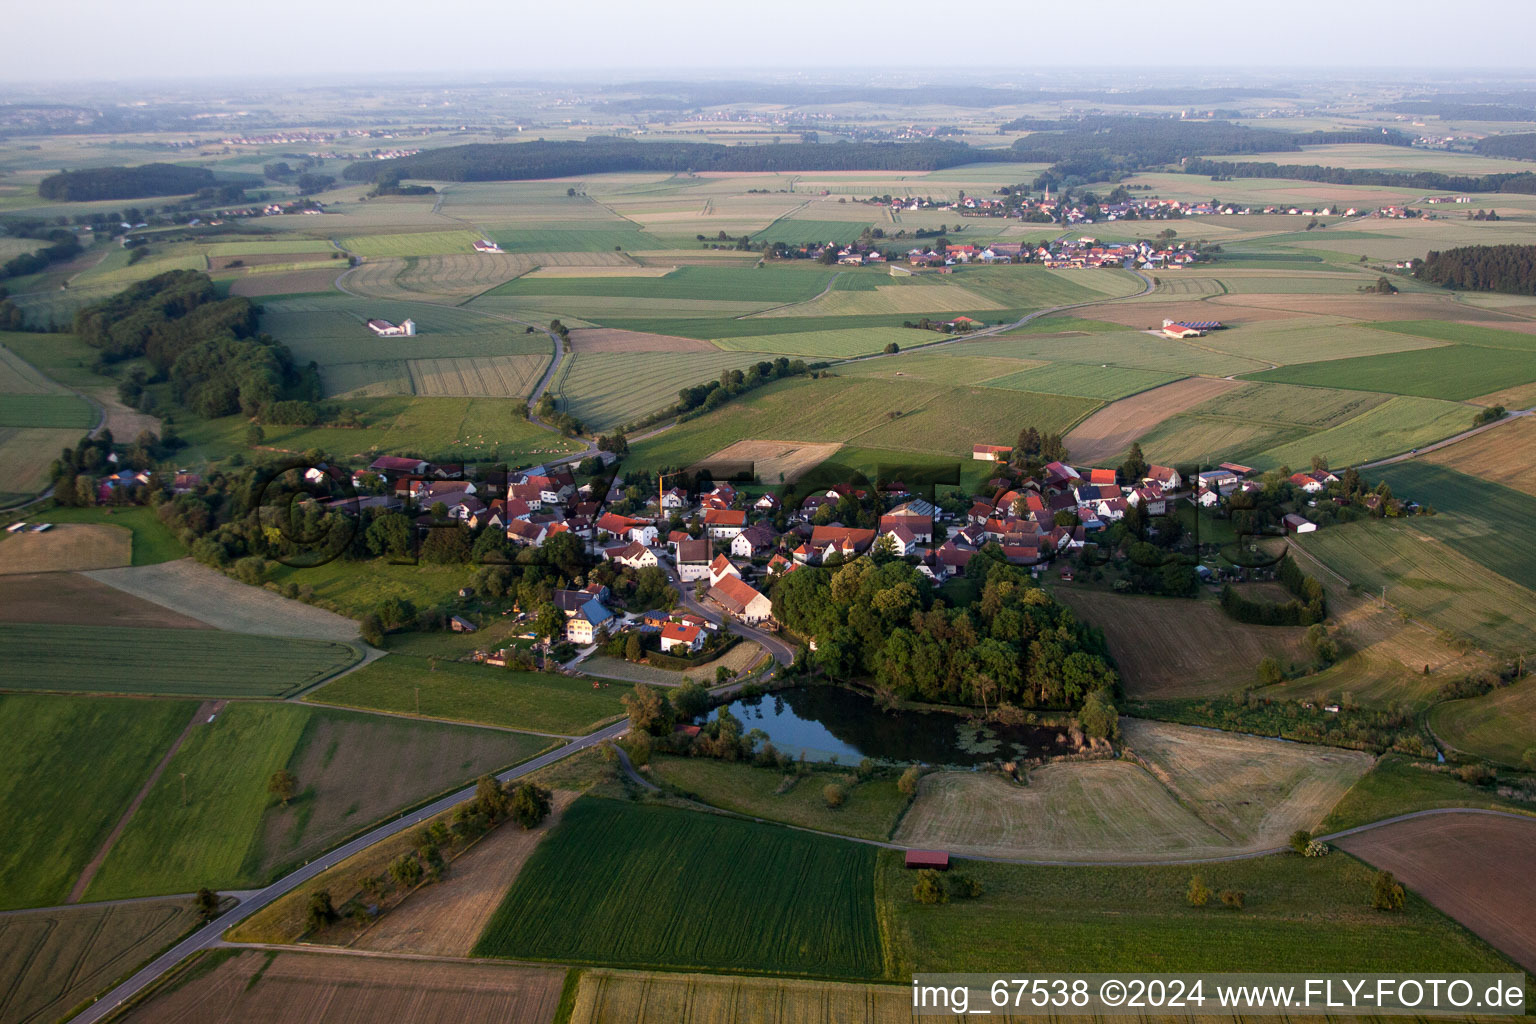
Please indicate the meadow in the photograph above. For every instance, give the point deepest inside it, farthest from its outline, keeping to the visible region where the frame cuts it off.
(453, 429)
(828, 344)
(801, 902)
(70, 768)
(871, 809)
(1129, 348)
(1400, 785)
(791, 231)
(620, 237)
(1106, 383)
(459, 692)
(175, 662)
(1429, 580)
(1500, 726)
(766, 284)
(226, 830)
(415, 243)
(1298, 912)
(331, 330)
(1489, 523)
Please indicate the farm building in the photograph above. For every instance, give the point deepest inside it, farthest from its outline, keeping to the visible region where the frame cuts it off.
(938, 860)
(1181, 331)
(486, 245)
(385, 329)
(991, 452)
(741, 600)
(1296, 524)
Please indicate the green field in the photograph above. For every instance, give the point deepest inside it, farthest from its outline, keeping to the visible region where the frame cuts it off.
(70, 767)
(330, 330)
(1500, 726)
(1487, 522)
(63, 357)
(622, 236)
(1429, 580)
(1289, 404)
(46, 411)
(153, 541)
(828, 344)
(1398, 785)
(1038, 286)
(176, 662)
(1129, 348)
(1084, 381)
(267, 247)
(1395, 426)
(1454, 372)
(912, 415)
(1298, 913)
(461, 692)
(871, 810)
(229, 831)
(801, 232)
(415, 243)
(652, 886)
(942, 365)
(1462, 334)
(768, 285)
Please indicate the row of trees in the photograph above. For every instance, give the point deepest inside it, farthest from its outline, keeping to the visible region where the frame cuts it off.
(1429, 181)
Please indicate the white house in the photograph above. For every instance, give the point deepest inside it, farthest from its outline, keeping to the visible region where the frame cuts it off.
(676, 634)
(676, 498)
(583, 627)
(741, 600)
(753, 541)
(636, 556)
(720, 568)
(692, 560)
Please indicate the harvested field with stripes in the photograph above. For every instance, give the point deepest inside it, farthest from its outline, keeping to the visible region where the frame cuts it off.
(476, 377)
(1110, 431)
(1184, 792)
(607, 341)
(295, 282)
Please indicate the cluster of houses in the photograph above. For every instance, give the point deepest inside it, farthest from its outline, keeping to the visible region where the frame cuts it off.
(1082, 252)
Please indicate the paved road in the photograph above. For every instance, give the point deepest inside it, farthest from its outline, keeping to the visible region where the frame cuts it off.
(1514, 414)
(782, 651)
(208, 935)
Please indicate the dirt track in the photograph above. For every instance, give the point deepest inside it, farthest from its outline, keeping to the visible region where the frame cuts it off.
(1111, 430)
(1477, 868)
(199, 592)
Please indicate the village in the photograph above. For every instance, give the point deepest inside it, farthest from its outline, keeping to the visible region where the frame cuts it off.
(724, 545)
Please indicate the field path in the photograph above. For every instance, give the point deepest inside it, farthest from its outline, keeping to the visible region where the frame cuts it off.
(206, 710)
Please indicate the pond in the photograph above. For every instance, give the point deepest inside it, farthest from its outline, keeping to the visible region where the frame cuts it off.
(827, 721)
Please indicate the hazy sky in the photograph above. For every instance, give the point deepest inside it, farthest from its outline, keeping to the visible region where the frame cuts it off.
(92, 40)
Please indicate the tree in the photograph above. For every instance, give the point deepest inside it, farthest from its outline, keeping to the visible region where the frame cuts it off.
(690, 700)
(405, 870)
(908, 781)
(254, 435)
(1269, 671)
(529, 805)
(891, 348)
(1198, 894)
(1099, 718)
(206, 903)
(1529, 759)
(834, 795)
(1233, 898)
(1299, 840)
(1135, 465)
(549, 623)
(490, 799)
(85, 491)
(632, 649)
(649, 710)
(320, 911)
(963, 886)
(1386, 893)
(929, 888)
(283, 785)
